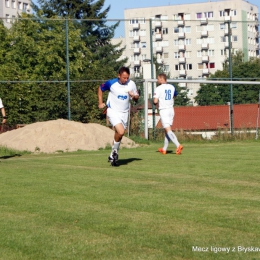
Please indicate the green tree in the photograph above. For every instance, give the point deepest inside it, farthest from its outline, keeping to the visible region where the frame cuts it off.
(217, 94)
(36, 51)
(95, 31)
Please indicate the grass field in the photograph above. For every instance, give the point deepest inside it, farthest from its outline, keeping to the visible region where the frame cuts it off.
(76, 206)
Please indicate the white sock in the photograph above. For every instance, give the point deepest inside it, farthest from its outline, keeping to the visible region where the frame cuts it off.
(173, 138)
(166, 142)
(115, 147)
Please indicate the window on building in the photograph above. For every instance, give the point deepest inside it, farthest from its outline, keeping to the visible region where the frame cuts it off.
(200, 66)
(176, 17)
(233, 25)
(176, 55)
(143, 56)
(143, 45)
(25, 5)
(188, 66)
(221, 13)
(165, 55)
(176, 42)
(133, 21)
(233, 12)
(142, 32)
(7, 16)
(177, 67)
(208, 14)
(176, 30)
(20, 5)
(234, 38)
(13, 3)
(199, 53)
(187, 29)
(199, 15)
(136, 57)
(7, 3)
(211, 53)
(222, 26)
(222, 38)
(133, 33)
(166, 68)
(186, 16)
(223, 52)
(187, 54)
(187, 41)
(164, 30)
(142, 20)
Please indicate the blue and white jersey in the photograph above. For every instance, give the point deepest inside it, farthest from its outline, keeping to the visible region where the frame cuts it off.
(118, 97)
(165, 94)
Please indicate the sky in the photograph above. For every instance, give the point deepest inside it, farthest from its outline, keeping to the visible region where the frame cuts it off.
(117, 7)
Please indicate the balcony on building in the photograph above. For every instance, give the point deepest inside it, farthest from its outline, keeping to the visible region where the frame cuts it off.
(182, 60)
(182, 47)
(227, 18)
(136, 38)
(205, 58)
(181, 23)
(182, 73)
(137, 62)
(181, 35)
(159, 49)
(205, 71)
(136, 26)
(227, 31)
(257, 46)
(204, 34)
(137, 50)
(158, 24)
(182, 84)
(204, 20)
(158, 37)
(204, 46)
(227, 45)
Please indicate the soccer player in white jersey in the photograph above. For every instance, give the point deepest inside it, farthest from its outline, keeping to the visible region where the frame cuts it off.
(164, 95)
(121, 91)
(3, 111)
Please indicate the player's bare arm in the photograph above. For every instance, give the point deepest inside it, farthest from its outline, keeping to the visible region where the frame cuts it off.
(101, 104)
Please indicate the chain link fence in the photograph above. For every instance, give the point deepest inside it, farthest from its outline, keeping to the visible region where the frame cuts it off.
(50, 74)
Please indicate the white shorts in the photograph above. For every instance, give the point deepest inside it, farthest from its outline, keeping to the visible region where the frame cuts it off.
(167, 116)
(116, 117)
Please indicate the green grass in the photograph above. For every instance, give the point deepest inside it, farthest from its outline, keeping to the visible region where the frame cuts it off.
(76, 206)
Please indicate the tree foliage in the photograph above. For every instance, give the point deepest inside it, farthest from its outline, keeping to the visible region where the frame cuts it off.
(219, 94)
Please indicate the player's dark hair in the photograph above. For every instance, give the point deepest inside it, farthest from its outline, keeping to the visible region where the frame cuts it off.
(124, 69)
(163, 75)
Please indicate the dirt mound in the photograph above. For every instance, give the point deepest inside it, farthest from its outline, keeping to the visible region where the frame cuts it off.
(60, 135)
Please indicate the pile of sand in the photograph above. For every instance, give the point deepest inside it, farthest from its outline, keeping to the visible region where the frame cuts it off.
(60, 135)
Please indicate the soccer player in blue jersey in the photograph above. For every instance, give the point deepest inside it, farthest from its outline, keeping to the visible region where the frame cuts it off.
(164, 95)
(121, 91)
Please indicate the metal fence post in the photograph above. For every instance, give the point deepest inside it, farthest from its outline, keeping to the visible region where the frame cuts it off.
(230, 77)
(68, 67)
(152, 75)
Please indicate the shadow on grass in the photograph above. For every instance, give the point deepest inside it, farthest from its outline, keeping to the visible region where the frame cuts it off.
(168, 151)
(9, 156)
(126, 161)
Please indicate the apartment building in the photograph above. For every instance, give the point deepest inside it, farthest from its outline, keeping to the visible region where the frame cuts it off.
(9, 9)
(190, 41)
